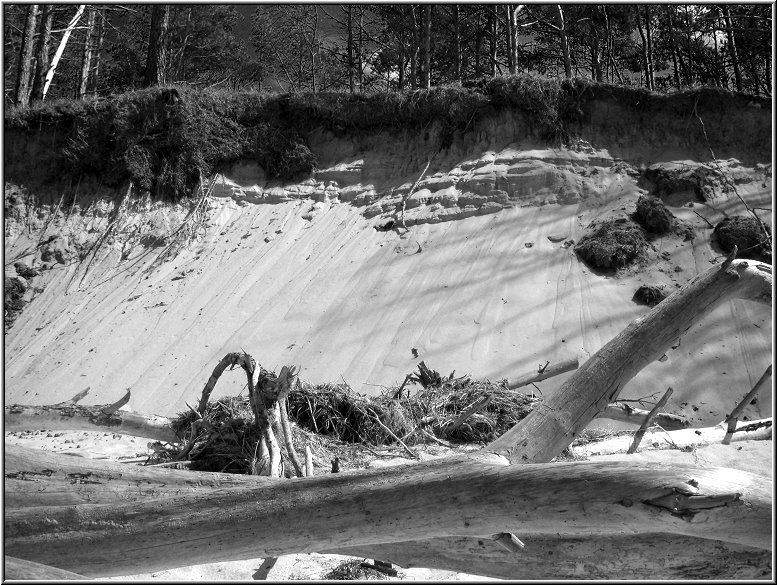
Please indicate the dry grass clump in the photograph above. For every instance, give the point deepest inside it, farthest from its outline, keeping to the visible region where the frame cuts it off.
(614, 244)
(336, 422)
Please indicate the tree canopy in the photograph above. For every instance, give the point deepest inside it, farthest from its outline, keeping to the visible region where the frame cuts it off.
(93, 50)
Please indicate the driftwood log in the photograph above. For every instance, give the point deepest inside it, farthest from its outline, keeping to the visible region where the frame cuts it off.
(117, 521)
(551, 428)
(99, 519)
(686, 439)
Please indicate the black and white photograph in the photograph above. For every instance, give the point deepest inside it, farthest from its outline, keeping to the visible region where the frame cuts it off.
(392, 291)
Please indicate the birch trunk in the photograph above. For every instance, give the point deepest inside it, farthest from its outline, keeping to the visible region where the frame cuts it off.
(61, 48)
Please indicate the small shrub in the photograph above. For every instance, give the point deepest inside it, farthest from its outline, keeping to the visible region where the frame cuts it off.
(746, 234)
(281, 153)
(616, 243)
(653, 215)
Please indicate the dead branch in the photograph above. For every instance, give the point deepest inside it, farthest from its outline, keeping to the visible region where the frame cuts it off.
(684, 439)
(649, 420)
(69, 416)
(543, 373)
(477, 406)
(624, 413)
(731, 419)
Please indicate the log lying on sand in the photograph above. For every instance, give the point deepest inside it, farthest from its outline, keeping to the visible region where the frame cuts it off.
(625, 413)
(70, 416)
(686, 439)
(554, 424)
(264, 517)
(633, 556)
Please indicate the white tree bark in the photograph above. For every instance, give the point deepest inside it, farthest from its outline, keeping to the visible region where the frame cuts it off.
(61, 48)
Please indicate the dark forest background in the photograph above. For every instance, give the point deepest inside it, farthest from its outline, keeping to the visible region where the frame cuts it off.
(79, 51)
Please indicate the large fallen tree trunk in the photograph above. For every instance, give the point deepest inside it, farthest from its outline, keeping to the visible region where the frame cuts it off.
(263, 517)
(553, 425)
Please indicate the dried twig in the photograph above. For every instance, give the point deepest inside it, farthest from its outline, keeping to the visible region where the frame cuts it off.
(649, 419)
(397, 439)
(731, 419)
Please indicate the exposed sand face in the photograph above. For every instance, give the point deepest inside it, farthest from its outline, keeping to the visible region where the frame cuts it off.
(310, 282)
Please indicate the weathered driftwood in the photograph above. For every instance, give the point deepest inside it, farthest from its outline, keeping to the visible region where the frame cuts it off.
(543, 374)
(553, 425)
(753, 430)
(130, 527)
(624, 413)
(70, 416)
(732, 419)
(632, 556)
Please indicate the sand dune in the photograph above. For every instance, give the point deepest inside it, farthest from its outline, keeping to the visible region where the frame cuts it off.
(314, 284)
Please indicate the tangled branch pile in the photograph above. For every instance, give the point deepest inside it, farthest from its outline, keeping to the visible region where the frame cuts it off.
(335, 421)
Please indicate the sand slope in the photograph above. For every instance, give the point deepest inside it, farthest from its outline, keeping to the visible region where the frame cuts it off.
(310, 282)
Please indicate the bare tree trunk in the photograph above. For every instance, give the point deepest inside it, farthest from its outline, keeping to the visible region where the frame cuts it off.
(426, 73)
(351, 64)
(414, 49)
(86, 57)
(98, 50)
(42, 52)
(644, 53)
(457, 40)
(510, 38)
(260, 517)
(184, 44)
(26, 58)
(360, 50)
(61, 48)
(562, 33)
(673, 45)
(547, 431)
(732, 46)
(156, 61)
(648, 34)
(494, 28)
